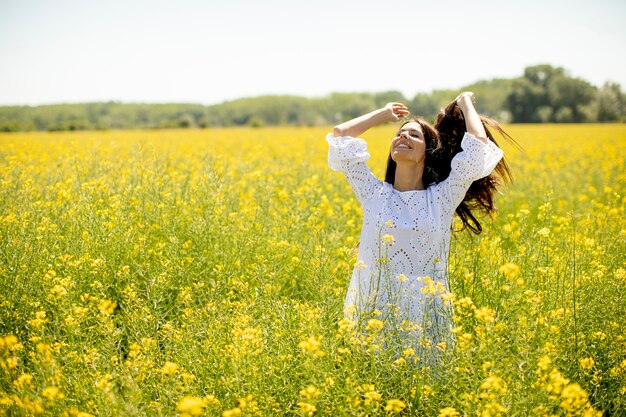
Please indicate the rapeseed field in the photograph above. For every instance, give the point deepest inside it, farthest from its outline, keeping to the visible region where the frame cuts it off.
(203, 273)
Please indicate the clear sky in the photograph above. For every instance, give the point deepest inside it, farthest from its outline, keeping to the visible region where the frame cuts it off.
(210, 51)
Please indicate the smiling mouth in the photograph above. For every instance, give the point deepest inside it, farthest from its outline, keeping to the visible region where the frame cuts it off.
(403, 145)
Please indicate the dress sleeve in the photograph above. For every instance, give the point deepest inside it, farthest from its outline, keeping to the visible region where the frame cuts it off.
(348, 155)
(475, 161)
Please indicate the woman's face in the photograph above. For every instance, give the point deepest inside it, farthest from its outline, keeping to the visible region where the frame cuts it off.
(409, 144)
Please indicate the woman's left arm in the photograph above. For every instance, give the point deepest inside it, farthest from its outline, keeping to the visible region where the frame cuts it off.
(473, 124)
(479, 156)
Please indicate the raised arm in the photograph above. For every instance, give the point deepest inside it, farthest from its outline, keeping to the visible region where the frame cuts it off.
(473, 124)
(478, 156)
(392, 112)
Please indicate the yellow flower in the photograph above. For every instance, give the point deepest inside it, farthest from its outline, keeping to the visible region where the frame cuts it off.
(387, 238)
(485, 314)
(447, 298)
(465, 303)
(465, 341)
(372, 397)
(169, 368)
(402, 278)
(586, 363)
(431, 287)
(39, 320)
(309, 392)
(375, 324)
(107, 307)
(73, 412)
(395, 406)
(311, 345)
(493, 383)
(545, 232)
(104, 382)
(400, 361)
(52, 393)
(307, 409)
(544, 363)
(344, 351)
(57, 292)
(556, 382)
(574, 398)
(448, 412)
(408, 352)
(10, 342)
(233, 412)
(211, 400)
(510, 270)
(345, 325)
(191, 406)
(493, 409)
(248, 404)
(360, 264)
(367, 387)
(23, 380)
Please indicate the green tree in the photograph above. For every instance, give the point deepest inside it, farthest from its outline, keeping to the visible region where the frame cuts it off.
(610, 101)
(525, 100)
(548, 94)
(567, 96)
(424, 105)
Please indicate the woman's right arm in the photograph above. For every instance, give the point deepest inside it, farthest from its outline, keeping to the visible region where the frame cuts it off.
(348, 153)
(392, 112)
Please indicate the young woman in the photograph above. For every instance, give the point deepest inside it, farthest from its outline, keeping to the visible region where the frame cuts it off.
(401, 271)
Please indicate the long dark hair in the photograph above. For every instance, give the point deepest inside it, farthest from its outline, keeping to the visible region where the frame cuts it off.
(443, 142)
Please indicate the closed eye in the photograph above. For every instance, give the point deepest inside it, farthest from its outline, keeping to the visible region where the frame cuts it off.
(412, 132)
(413, 135)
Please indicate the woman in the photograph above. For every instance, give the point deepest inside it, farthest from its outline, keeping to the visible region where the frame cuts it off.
(400, 275)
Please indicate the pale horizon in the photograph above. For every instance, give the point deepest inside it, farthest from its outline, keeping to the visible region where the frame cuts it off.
(206, 53)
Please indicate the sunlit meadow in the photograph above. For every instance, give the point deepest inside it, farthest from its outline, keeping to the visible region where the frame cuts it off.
(203, 272)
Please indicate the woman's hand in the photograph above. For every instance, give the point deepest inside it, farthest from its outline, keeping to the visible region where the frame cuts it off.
(392, 112)
(473, 123)
(395, 111)
(465, 100)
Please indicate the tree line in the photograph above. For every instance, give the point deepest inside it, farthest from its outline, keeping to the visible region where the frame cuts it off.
(543, 94)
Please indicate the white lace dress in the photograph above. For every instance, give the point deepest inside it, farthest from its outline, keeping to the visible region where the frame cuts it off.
(419, 222)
